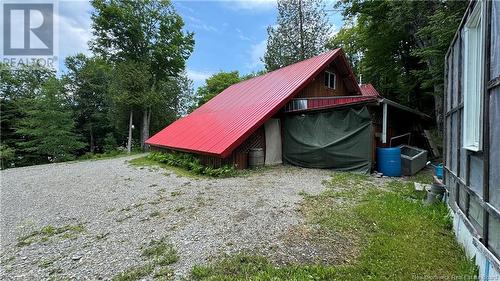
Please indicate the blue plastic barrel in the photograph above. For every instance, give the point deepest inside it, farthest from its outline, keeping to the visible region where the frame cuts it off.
(389, 161)
(439, 171)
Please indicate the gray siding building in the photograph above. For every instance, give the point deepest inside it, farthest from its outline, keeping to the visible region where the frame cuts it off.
(472, 134)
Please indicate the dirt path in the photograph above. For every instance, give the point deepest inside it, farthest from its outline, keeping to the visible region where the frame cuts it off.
(89, 220)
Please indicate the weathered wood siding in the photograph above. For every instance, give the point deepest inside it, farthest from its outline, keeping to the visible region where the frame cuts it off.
(473, 178)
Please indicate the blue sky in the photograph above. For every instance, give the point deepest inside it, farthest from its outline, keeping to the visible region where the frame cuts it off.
(229, 35)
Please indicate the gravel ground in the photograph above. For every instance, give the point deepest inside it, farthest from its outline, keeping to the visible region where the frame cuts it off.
(107, 210)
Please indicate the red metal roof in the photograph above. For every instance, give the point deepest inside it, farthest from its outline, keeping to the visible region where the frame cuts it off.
(369, 90)
(223, 123)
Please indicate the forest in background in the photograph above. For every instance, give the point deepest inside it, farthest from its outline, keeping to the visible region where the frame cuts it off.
(135, 83)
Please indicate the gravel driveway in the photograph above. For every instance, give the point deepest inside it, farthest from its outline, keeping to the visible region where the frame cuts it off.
(89, 220)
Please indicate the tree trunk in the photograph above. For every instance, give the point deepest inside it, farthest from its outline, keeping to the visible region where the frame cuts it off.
(129, 140)
(301, 21)
(92, 146)
(145, 127)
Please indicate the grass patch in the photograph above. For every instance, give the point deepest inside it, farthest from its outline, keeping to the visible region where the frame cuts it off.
(163, 274)
(179, 209)
(46, 263)
(184, 164)
(399, 238)
(134, 273)
(145, 162)
(423, 176)
(175, 193)
(49, 231)
(154, 214)
(106, 155)
(159, 254)
(5, 261)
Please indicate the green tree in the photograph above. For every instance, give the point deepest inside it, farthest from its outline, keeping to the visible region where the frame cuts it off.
(301, 32)
(88, 81)
(48, 127)
(19, 89)
(128, 88)
(215, 84)
(433, 41)
(6, 156)
(350, 38)
(399, 46)
(178, 96)
(148, 32)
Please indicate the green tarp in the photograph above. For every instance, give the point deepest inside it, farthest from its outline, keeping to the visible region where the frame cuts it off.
(339, 139)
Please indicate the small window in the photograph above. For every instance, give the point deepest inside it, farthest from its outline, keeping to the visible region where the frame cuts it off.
(330, 80)
(473, 79)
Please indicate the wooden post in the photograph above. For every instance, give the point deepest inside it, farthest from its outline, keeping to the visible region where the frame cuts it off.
(384, 123)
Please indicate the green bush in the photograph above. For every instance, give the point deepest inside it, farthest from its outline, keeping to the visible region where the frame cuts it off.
(110, 143)
(191, 163)
(7, 154)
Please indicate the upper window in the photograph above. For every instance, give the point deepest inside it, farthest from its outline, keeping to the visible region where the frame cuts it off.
(473, 79)
(330, 81)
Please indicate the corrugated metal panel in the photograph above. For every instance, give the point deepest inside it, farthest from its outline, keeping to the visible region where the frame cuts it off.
(331, 102)
(369, 90)
(305, 104)
(224, 122)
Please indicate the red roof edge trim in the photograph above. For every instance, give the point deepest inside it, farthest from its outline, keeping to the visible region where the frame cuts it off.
(184, 150)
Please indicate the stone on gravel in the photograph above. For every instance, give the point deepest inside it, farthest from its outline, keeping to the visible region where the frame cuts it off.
(121, 208)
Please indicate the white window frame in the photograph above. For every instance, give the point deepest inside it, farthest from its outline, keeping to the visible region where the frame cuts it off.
(330, 75)
(473, 79)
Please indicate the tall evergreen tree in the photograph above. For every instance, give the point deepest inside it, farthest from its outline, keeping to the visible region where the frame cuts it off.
(301, 32)
(148, 32)
(48, 127)
(19, 90)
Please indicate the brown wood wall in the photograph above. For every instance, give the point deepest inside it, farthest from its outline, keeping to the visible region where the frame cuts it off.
(239, 157)
(317, 87)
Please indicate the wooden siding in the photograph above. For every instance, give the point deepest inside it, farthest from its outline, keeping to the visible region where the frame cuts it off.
(467, 173)
(239, 157)
(317, 87)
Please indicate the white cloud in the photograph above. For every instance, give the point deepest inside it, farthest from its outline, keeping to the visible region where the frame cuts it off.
(199, 24)
(242, 36)
(73, 22)
(198, 76)
(73, 37)
(256, 53)
(250, 4)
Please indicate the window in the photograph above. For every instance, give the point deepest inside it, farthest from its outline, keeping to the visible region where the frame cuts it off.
(330, 80)
(473, 79)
